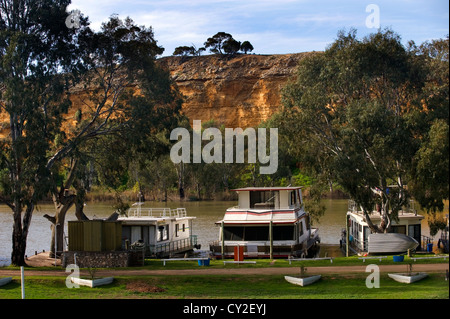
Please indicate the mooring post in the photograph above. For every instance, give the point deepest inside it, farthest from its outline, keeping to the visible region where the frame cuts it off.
(22, 279)
(347, 237)
(223, 240)
(271, 239)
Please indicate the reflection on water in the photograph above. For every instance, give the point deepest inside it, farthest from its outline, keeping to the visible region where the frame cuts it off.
(207, 213)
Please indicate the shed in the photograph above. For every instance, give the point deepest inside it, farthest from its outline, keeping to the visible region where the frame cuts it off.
(95, 235)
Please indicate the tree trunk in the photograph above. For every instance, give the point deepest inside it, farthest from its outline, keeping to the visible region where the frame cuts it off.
(62, 205)
(180, 172)
(20, 233)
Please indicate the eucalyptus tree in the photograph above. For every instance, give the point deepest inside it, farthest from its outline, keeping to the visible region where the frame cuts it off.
(37, 49)
(46, 68)
(123, 101)
(355, 115)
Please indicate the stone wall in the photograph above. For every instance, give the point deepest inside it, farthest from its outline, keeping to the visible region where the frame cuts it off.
(102, 259)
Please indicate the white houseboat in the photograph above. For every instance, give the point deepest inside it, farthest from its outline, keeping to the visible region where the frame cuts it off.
(268, 222)
(405, 233)
(161, 231)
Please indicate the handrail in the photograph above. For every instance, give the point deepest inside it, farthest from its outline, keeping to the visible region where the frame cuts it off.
(157, 212)
(172, 246)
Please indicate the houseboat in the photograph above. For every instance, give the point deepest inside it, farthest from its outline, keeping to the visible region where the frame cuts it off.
(268, 222)
(405, 233)
(162, 232)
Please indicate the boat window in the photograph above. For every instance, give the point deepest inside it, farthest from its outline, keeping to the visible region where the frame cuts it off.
(233, 233)
(262, 199)
(177, 229)
(414, 231)
(283, 232)
(293, 198)
(256, 233)
(163, 232)
(401, 229)
(300, 228)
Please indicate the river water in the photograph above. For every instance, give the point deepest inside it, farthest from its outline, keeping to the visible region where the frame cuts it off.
(206, 213)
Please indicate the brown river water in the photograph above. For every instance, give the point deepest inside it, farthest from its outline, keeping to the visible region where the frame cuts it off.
(206, 213)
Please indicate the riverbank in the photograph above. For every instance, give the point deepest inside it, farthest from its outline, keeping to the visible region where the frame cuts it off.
(263, 283)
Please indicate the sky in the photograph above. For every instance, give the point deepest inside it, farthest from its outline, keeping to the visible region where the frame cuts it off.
(274, 26)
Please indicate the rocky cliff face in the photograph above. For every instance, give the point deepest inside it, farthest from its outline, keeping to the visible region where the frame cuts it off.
(237, 92)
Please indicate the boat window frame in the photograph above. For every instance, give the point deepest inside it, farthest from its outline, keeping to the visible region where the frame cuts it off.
(163, 233)
(267, 195)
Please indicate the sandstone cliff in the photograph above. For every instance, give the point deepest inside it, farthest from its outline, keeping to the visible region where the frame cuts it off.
(237, 92)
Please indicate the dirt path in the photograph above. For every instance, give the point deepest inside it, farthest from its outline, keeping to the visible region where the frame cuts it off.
(43, 260)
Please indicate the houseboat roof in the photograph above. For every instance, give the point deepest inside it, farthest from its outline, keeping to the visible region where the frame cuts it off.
(280, 216)
(248, 189)
(142, 216)
(376, 215)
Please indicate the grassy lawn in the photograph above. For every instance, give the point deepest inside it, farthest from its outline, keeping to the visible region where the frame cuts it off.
(155, 264)
(343, 286)
(331, 286)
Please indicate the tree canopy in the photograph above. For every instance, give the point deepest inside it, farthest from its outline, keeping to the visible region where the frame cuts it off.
(220, 43)
(362, 114)
(122, 95)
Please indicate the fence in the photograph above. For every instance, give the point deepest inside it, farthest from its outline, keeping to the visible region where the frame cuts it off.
(174, 246)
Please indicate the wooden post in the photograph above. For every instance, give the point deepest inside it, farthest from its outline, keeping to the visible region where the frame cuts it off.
(223, 240)
(271, 239)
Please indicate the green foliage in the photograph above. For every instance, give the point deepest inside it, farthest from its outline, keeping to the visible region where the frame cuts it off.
(355, 116)
(188, 51)
(224, 43)
(39, 61)
(246, 46)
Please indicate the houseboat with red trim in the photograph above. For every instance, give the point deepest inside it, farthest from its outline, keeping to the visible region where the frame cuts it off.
(268, 222)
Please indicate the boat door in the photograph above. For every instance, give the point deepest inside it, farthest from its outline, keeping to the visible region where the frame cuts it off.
(136, 233)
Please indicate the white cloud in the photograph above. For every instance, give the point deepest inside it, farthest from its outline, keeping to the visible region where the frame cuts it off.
(271, 26)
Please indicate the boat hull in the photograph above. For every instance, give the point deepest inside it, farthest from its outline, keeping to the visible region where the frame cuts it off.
(390, 243)
(302, 281)
(263, 251)
(408, 279)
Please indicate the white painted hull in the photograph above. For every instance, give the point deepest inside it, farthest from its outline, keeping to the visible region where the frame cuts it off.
(390, 243)
(4, 281)
(302, 281)
(92, 283)
(407, 279)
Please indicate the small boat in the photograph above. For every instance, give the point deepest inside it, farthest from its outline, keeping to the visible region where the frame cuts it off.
(390, 243)
(4, 281)
(408, 278)
(268, 222)
(92, 282)
(302, 281)
(405, 232)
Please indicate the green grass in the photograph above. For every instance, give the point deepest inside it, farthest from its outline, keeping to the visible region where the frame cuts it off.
(343, 286)
(155, 264)
(331, 286)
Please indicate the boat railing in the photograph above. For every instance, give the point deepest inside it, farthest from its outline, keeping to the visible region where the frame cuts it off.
(157, 212)
(360, 245)
(173, 246)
